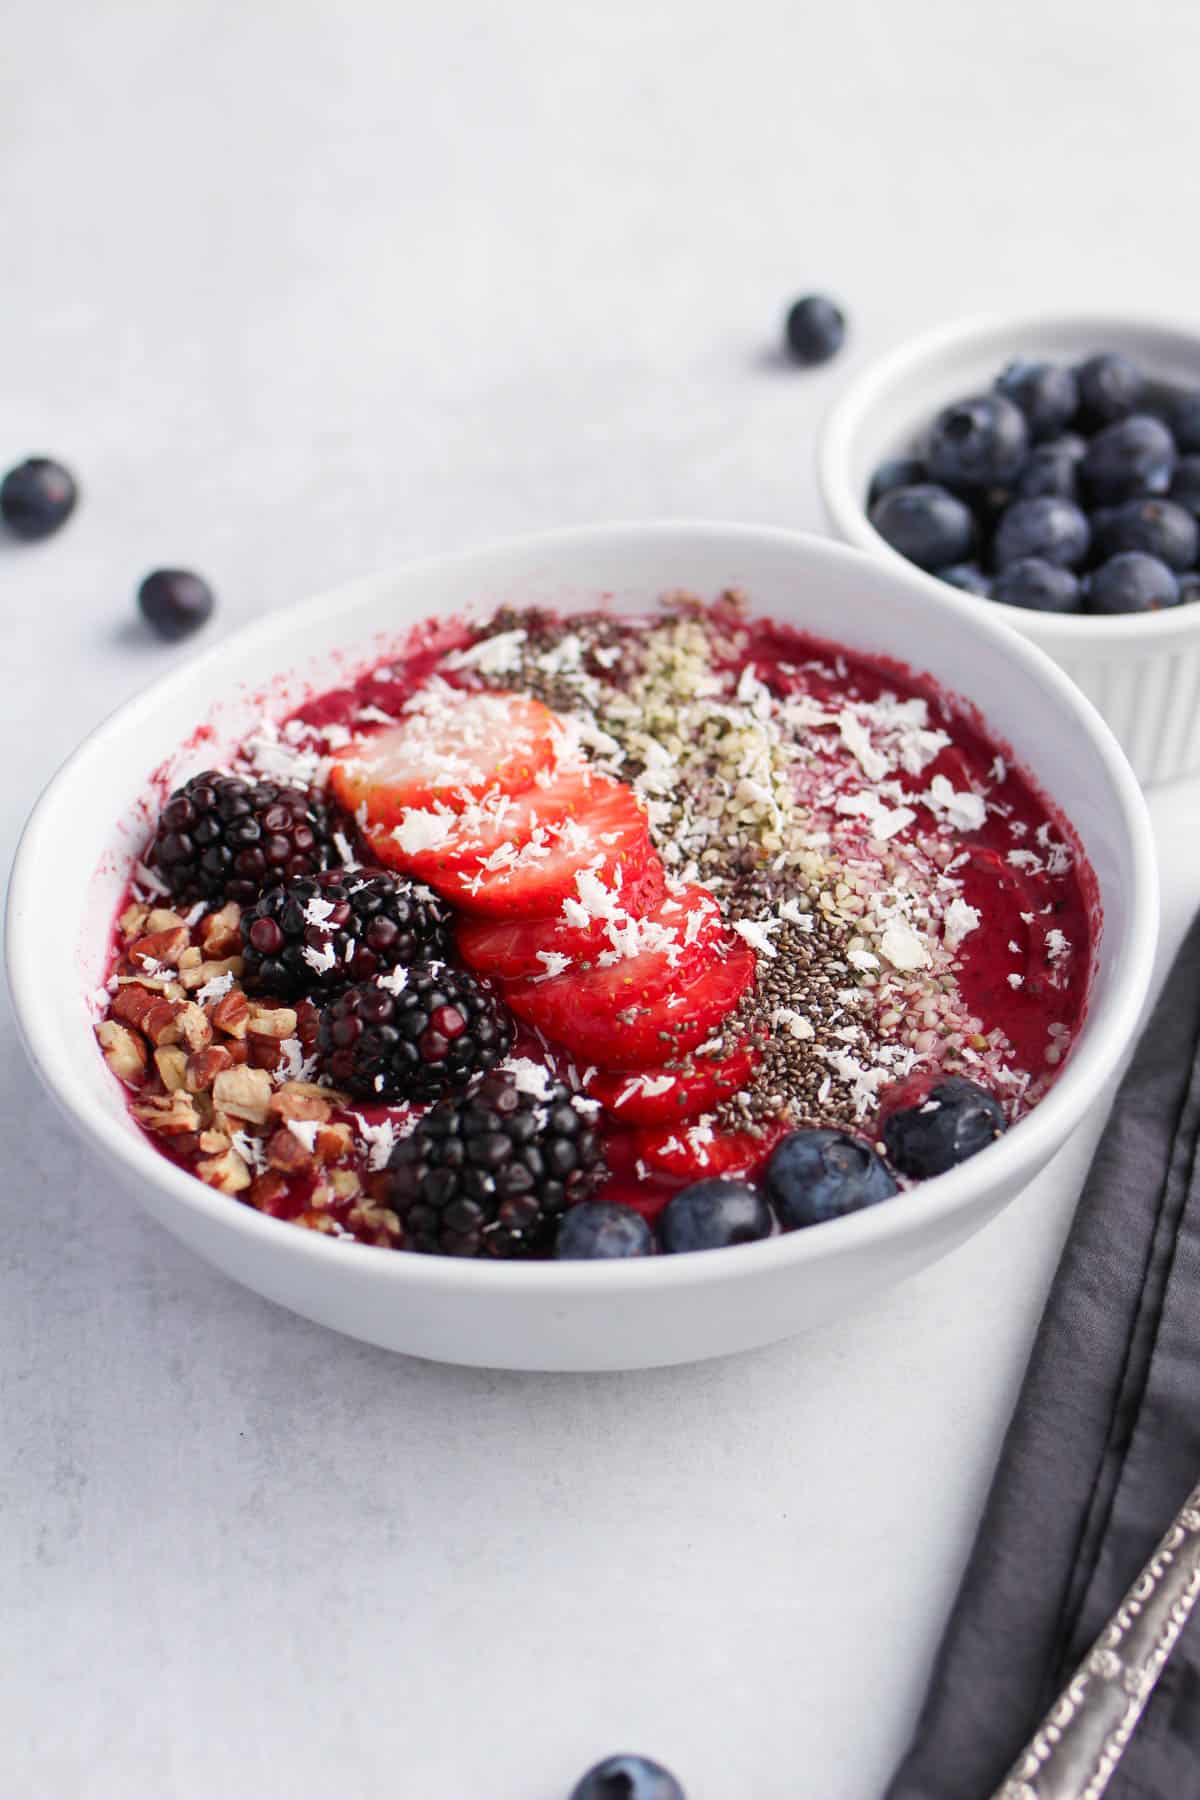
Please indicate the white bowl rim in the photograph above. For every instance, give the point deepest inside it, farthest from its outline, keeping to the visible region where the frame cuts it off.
(1014, 1156)
(844, 420)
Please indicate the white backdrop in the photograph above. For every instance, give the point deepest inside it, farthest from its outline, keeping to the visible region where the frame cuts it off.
(300, 290)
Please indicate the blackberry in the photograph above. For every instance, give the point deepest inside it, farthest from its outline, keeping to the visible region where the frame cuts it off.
(221, 838)
(321, 932)
(412, 1034)
(489, 1175)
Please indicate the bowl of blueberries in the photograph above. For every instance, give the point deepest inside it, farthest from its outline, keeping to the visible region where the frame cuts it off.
(1047, 468)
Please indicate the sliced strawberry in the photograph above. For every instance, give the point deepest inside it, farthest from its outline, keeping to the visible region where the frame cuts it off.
(601, 926)
(666, 1096)
(622, 1028)
(456, 747)
(631, 1182)
(517, 856)
(694, 1151)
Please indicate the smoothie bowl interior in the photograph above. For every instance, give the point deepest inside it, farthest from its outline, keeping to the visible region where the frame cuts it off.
(96, 820)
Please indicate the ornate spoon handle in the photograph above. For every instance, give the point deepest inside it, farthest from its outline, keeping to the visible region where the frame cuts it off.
(1076, 1748)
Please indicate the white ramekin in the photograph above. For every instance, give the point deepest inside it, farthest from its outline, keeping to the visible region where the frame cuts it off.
(92, 821)
(1142, 672)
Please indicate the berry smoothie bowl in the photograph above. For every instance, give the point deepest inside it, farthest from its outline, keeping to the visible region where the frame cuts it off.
(610, 949)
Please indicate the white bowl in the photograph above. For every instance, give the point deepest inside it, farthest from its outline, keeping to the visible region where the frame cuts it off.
(92, 820)
(1142, 672)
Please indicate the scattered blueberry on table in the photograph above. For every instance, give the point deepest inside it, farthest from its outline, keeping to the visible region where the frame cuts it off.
(815, 330)
(1062, 490)
(175, 602)
(628, 1778)
(37, 497)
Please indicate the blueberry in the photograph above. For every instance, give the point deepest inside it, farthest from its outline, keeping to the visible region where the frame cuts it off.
(1038, 586)
(816, 1175)
(815, 329)
(978, 443)
(1047, 393)
(37, 497)
(1050, 469)
(1185, 483)
(1110, 387)
(1054, 529)
(602, 1228)
(709, 1215)
(956, 1120)
(901, 471)
(925, 524)
(1131, 582)
(1133, 457)
(1183, 416)
(628, 1778)
(1189, 589)
(175, 602)
(1159, 527)
(967, 576)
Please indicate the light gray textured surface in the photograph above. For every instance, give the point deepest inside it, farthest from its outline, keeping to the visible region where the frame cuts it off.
(301, 290)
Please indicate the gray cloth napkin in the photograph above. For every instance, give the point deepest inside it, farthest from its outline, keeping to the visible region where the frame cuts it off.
(1103, 1448)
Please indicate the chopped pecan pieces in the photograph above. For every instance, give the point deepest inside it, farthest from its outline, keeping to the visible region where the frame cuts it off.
(333, 1142)
(221, 932)
(163, 948)
(204, 1066)
(168, 1114)
(286, 1153)
(195, 1030)
(380, 1221)
(227, 1172)
(148, 1012)
(276, 1022)
(124, 1052)
(133, 920)
(316, 1221)
(163, 918)
(293, 1101)
(269, 1193)
(199, 975)
(243, 1092)
(231, 1014)
(171, 1062)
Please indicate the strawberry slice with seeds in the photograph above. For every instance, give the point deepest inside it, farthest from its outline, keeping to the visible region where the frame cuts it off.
(666, 1096)
(518, 855)
(601, 924)
(452, 747)
(694, 1151)
(621, 1026)
(628, 958)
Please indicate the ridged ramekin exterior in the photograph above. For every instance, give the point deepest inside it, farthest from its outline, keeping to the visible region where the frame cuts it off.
(1151, 701)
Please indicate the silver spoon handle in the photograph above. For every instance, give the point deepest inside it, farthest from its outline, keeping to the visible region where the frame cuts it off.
(1076, 1748)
